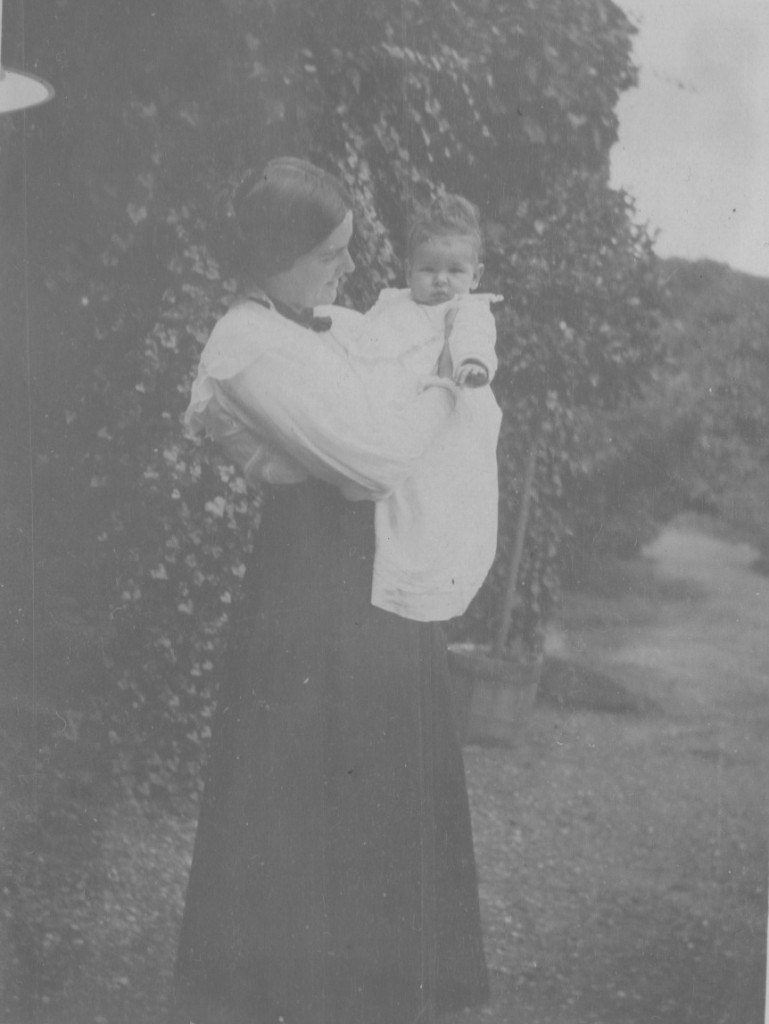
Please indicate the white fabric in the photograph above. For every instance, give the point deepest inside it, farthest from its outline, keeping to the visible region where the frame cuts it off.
(436, 532)
(287, 404)
(400, 333)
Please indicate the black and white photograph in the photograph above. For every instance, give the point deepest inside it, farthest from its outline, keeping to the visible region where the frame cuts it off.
(384, 511)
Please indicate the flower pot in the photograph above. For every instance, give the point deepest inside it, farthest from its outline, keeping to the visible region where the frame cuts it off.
(492, 698)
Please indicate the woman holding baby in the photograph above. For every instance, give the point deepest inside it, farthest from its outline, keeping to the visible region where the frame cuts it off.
(333, 879)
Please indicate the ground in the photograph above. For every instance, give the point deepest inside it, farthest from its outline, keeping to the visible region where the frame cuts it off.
(621, 844)
(623, 855)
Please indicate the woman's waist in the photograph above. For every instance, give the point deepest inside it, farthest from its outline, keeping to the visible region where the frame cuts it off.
(315, 514)
(311, 544)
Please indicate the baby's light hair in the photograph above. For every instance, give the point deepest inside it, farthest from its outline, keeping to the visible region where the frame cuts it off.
(446, 215)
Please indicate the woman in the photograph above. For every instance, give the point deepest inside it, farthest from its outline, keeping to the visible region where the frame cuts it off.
(333, 879)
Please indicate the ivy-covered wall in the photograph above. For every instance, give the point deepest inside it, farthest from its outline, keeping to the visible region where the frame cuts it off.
(111, 193)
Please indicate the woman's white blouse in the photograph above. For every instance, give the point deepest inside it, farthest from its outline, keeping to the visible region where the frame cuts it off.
(287, 404)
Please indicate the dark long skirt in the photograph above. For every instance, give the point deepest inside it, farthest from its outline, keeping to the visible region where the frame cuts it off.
(333, 879)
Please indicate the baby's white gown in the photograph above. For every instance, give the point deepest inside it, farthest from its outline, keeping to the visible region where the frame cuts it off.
(436, 532)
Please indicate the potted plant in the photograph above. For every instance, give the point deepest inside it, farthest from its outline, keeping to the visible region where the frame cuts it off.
(494, 686)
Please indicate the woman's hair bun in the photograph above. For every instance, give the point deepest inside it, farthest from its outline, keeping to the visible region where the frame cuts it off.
(276, 214)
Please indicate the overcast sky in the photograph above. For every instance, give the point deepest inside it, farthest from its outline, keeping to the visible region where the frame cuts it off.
(694, 136)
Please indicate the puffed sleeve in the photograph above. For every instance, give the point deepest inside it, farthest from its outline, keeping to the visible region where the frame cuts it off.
(474, 331)
(298, 390)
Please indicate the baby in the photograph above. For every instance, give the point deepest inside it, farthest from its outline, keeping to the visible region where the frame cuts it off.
(436, 533)
(412, 328)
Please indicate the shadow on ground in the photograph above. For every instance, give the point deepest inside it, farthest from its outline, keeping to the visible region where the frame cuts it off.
(569, 685)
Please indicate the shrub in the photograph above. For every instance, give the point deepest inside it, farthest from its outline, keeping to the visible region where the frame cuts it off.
(511, 105)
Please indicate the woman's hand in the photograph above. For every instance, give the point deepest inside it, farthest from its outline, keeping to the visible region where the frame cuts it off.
(258, 461)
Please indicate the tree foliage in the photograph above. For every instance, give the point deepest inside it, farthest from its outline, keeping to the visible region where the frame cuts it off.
(696, 438)
(718, 338)
(160, 107)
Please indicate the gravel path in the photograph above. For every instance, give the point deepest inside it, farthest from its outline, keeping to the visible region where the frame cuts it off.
(623, 857)
(622, 845)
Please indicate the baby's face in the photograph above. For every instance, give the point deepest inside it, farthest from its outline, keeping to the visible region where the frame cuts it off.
(443, 267)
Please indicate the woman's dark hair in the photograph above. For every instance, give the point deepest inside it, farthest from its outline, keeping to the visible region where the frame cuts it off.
(281, 213)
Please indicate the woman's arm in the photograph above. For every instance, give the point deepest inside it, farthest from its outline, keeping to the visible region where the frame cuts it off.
(259, 461)
(311, 404)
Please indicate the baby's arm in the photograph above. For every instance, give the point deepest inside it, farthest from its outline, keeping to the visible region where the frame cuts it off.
(470, 336)
(471, 373)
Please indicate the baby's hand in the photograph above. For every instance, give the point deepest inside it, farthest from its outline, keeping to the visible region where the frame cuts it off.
(471, 374)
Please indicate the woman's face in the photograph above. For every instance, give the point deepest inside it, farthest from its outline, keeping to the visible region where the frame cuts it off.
(314, 278)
